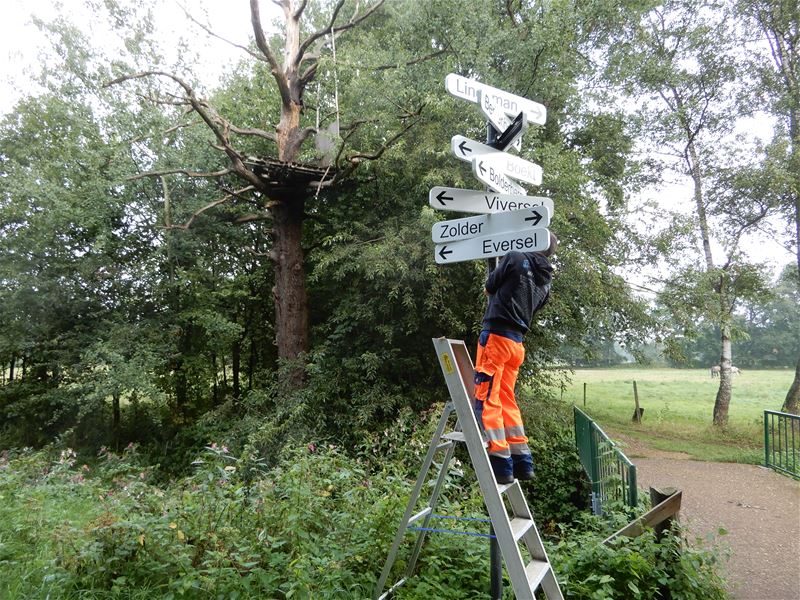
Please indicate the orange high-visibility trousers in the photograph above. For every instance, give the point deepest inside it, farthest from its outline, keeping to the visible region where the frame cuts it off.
(496, 368)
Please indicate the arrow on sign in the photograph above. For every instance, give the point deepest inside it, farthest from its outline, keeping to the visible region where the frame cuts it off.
(491, 224)
(535, 218)
(443, 252)
(494, 178)
(482, 202)
(466, 149)
(442, 197)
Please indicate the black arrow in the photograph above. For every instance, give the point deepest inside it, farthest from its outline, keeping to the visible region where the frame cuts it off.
(441, 197)
(535, 219)
(464, 148)
(480, 166)
(444, 254)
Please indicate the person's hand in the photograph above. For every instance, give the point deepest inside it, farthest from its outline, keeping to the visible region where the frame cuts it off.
(486, 292)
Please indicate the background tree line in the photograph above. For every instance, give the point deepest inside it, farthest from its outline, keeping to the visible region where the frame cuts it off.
(167, 277)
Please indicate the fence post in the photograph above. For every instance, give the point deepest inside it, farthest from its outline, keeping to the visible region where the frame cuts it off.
(637, 412)
(584, 394)
(766, 440)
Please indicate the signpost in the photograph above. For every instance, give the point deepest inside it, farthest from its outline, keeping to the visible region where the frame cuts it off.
(518, 220)
(510, 220)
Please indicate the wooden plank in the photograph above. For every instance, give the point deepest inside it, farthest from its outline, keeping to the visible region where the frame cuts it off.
(667, 509)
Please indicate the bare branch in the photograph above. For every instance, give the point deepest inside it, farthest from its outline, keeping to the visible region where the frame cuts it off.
(267, 135)
(219, 126)
(330, 28)
(211, 205)
(415, 61)
(210, 32)
(186, 172)
(318, 34)
(355, 21)
(261, 42)
(356, 159)
(299, 12)
(179, 126)
(252, 217)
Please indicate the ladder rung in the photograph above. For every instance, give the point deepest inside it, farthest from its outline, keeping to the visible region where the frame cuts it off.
(535, 571)
(444, 445)
(520, 526)
(458, 436)
(502, 487)
(419, 515)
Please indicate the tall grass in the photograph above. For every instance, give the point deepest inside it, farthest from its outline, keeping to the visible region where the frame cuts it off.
(678, 406)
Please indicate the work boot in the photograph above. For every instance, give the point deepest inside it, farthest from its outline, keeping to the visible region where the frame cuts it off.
(502, 469)
(523, 467)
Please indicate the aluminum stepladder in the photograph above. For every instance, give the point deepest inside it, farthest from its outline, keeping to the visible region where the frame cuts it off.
(510, 530)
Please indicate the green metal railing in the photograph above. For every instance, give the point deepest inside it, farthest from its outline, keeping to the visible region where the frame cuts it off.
(611, 474)
(782, 442)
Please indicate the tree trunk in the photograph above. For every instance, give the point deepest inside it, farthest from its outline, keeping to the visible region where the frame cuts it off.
(792, 402)
(215, 389)
(236, 359)
(291, 300)
(723, 400)
(697, 178)
(115, 422)
(11, 371)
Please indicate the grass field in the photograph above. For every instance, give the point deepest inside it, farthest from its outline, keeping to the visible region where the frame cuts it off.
(678, 406)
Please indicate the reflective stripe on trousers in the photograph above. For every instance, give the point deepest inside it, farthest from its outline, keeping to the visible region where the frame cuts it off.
(496, 368)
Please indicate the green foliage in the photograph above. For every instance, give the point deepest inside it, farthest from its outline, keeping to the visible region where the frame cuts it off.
(637, 567)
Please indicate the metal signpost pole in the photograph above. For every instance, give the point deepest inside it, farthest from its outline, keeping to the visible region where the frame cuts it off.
(495, 560)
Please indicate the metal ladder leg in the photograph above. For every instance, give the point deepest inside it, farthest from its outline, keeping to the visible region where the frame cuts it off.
(409, 516)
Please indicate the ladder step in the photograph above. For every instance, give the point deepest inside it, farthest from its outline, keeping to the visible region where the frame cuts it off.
(520, 526)
(424, 512)
(444, 445)
(535, 571)
(458, 436)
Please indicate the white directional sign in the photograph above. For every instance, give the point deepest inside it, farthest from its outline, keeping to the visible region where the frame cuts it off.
(488, 246)
(498, 119)
(475, 201)
(489, 174)
(470, 227)
(515, 167)
(466, 149)
(467, 89)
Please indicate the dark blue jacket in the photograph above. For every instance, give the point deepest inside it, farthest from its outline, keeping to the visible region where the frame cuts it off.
(519, 286)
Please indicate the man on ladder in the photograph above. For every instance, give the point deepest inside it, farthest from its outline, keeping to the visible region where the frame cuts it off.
(517, 288)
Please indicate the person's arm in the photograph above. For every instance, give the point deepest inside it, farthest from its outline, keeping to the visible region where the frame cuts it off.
(497, 276)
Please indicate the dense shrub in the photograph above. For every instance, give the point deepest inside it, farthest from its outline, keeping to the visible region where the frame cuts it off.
(317, 524)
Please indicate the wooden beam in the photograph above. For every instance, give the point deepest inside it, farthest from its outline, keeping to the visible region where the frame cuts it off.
(656, 515)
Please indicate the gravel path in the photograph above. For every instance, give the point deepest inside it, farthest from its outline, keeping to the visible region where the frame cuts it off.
(759, 508)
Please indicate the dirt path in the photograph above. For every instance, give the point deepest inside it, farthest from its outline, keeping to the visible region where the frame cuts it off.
(759, 508)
